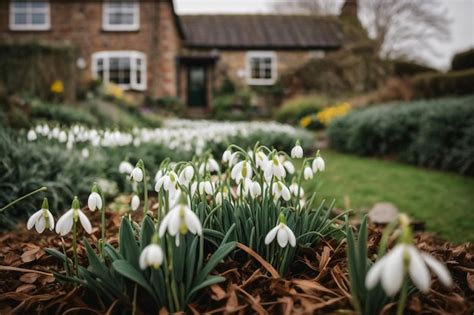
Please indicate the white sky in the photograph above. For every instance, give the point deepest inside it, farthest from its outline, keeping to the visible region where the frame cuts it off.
(460, 11)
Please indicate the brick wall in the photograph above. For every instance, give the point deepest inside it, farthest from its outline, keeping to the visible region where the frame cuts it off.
(80, 24)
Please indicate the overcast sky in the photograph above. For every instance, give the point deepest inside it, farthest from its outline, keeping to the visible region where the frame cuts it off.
(460, 11)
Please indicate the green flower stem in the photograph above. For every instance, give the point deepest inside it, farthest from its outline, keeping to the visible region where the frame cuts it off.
(172, 280)
(102, 225)
(145, 192)
(74, 243)
(403, 298)
(23, 197)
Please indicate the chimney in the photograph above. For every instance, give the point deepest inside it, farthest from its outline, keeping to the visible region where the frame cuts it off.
(349, 8)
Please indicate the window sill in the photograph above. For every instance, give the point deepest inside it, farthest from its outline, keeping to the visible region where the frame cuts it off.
(29, 29)
(119, 29)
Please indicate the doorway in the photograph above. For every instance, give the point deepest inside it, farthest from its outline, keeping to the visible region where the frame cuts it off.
(197, 86)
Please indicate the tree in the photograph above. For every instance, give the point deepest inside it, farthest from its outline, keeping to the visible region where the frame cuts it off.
(316, 7)
(404, 28)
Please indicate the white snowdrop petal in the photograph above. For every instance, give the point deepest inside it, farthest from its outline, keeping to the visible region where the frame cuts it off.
(439, 269)
(32, 220)
(64, 223)
(173, 225)
(282, 237)
(291, 236)
(51, 220)
(142, 260)
(392, 276)
(418, 271)
(40, 225)
(86, 224)
(271, 235)
(192, 222)
(164, 224)
(374, 274)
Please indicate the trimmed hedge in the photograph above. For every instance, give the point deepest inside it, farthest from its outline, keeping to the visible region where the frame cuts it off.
(463, 60)
(433, 85)
(437, 133)
(293, 110)
(403, 68)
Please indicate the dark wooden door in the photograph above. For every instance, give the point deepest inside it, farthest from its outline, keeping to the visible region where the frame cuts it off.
(197, 86)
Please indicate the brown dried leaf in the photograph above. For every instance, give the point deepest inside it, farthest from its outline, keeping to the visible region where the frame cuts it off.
(25, 288)
(217, 292)
(29, 277)
(29, 255)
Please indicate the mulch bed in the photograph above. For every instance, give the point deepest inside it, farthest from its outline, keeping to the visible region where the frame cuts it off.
(317, 281)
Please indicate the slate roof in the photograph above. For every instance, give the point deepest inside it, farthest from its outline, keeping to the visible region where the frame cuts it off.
(261, 31)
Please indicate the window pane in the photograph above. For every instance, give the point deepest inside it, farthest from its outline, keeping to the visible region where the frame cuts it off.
(139, 77)
(20, 18)
(19, 4)
(119, 70)
(268, 73)
(38, 5)
(38, 18)
(121, 18)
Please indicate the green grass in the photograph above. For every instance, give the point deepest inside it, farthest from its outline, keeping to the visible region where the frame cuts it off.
(445, 201)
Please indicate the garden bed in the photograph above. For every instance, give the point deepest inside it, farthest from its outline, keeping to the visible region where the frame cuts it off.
(318, 281)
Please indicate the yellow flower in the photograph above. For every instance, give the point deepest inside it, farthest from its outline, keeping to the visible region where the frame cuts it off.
(328, 114)
(305, 121)
(57, 87)
(114, 90)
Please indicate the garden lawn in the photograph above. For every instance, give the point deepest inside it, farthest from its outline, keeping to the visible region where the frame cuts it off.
(445, 201)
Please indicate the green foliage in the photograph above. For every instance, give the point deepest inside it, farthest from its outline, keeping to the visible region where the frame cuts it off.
(366, 302)
(166, 105)
(227, 87)
(404, 68)
(437, 133)
(236, 106)
(26, 166)
(31, 68)
(61, 114)
(443, 84)
(293, 110)
(463, 60)
(116, 275)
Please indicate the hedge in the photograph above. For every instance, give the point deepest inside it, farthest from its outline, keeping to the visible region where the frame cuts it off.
(433, 85)
(403, 68)
(293, 110)
(463, 60)
(436, 134)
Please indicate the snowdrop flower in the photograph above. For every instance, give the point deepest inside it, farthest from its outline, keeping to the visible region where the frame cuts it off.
(186, 175)
(84, 153)
(62, 137)
(289, 167)
(151, 256)
(283, 234)
(135, 203)
(168, 182)
(307, 173)
(226, 156)
(255, 189)
(274, 168)
(125, 167)
(74, 214)
(94, 201)
(211, 166)
(390, 270)
(279, 190)
(180, 219)
(31, 136)
(318, 163)
(158, 175)
(222, 195)
(295, 189)
(261, 160)
(41, 219)
(203, 187)
(241, 170)
(297, 151)
(137, 174)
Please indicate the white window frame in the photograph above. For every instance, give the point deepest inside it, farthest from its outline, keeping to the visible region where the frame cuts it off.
(133, 55)
(261, 54)
(29, 13)
(107, 10)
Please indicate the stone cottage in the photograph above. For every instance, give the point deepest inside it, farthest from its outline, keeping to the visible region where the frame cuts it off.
(144, 46)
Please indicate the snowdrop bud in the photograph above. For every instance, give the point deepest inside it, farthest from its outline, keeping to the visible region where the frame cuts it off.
(308, 173)
(289, 167)
(125, 167)
(212, 165)
(186, 175)
(135, 203)
(95, 201)
(137, 174)
(318, 163)
(226, 155)
(31, 136)
(255, 189)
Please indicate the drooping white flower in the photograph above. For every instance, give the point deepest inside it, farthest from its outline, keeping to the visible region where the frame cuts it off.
(308, 173)
(158, 175)
(65, 223)
(279, 190)
(390, 270)
(241, 171)
(226, 156)
(125, 167)
(297, 151)
(135, 202)
(297, 190)
(84, 152)
(283, 234)
(318, 164)
(31, 135)
(180, 219)
(168, 182)
(151, 256)
(289, 166)
(255, 189)
(222, 195)
(137, 175)
(94, 201)
(210, 166)
(261, 160)
(186, 175)
(41, 219)
(274, 168)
